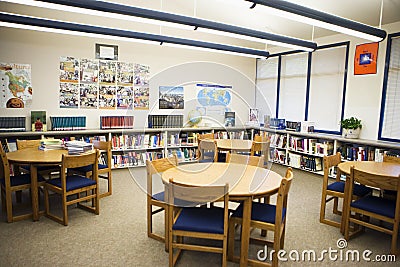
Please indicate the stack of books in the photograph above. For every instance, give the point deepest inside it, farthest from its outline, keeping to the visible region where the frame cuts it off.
(51, 144)
(78, 147)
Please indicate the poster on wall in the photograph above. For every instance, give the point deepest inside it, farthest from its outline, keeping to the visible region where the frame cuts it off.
(142, 97)
(124, 97)
(107, 71)
(69, 95)
(171, 97)
(88, 95)
(15, 85)
(365, 59)
(69, 70)
(89, 70)
(107, 97)
(125, 73)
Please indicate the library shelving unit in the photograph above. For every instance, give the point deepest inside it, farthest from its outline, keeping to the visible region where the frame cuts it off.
(131, 147)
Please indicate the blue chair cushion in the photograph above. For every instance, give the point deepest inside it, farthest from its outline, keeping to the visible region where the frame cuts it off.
(204, 220)
(259, 212)
(21, 180)
(358, 190)
(89, 168)
(73, 182)
(378, 205)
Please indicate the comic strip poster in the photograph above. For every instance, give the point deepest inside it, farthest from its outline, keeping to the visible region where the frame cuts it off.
(69, 95)
(88, 95)
(107, 97)
(124, 97)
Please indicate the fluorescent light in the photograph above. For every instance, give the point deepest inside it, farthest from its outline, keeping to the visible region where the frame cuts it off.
(320, 19)
(119, 11)
(33, 23)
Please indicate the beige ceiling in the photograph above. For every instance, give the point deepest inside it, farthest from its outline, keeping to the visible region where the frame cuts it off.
(235, 12)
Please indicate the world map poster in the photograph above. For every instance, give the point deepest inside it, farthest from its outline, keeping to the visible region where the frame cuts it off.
(15, 85)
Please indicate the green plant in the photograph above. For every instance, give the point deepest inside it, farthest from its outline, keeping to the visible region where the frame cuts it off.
(351, 123)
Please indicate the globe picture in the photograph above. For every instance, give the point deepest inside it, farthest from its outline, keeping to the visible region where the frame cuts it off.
(194, 117)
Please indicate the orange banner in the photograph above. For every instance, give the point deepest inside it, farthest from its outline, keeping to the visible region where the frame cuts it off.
(365, 58)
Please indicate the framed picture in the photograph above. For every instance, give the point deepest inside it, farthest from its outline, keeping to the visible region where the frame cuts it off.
(171, 97)
(365, 59)
(107, 52)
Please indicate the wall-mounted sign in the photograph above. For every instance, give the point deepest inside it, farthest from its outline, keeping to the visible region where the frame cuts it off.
(365, 59)
(107, 52)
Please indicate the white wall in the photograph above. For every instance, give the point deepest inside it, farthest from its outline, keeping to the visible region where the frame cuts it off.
(168, 66)
(364, 92)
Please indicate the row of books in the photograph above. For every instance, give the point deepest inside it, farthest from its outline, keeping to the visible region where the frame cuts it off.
(243, 135)
(364, 153)
(131, 159)
(278, 156)
(278, 140)
(310, 146)
(12, 124)
(184, 154)
(304, 162)
(116, 122)
(165, 121)
(139, 140)
(68, 123)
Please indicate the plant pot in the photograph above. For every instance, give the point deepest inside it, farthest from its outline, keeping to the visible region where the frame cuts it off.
(351, 133)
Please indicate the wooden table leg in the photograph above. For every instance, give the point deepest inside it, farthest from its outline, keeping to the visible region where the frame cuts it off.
(346, 199)
(34, 192)
(245, 239)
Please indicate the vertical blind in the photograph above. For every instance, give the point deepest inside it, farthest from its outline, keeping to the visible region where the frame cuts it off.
(391, 116)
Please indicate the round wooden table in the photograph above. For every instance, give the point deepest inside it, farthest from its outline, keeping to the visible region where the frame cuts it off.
(35, 157)
(245, 183)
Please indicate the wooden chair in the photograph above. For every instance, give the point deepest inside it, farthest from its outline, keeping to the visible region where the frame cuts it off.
(208, 151)
(43, 170)
(335, 191)
(375, 207)
(196, 220)
(104, 167)
(68, 185)
(266, 217)
(389, 193)
(10, 184)
(261, 147)
(245, 159)
(154, 167)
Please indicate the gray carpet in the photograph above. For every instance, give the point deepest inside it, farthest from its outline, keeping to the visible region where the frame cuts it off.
(118, 237)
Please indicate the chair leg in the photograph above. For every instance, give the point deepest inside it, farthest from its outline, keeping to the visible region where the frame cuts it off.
(9, 207)
(166, 229)
(64, 207)
(231, 238)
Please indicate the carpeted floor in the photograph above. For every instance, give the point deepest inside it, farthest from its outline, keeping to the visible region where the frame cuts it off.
(117, 237)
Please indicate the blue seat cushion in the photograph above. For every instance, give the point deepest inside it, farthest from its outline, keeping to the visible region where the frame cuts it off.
(378, 205)
(204, 220)
(259, 212)
(73, 182)
(21, 180)
(358, 190)
(89, 168)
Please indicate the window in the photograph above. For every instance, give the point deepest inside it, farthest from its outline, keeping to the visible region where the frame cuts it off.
(389, 124)
(327, 87)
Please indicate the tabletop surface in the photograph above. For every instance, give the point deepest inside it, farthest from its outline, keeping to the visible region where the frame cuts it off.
(243, 180)
(373, 167)
(34, 155)
(234, 144)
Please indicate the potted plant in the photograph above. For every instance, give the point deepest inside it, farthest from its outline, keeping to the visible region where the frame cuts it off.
(351, 127)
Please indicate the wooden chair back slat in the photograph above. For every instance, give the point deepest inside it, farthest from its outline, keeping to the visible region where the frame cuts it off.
(245, 159)
(23, 144)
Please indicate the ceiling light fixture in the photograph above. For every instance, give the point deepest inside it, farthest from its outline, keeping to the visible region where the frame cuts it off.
(19, 21)
(320, 19)
(119, 11)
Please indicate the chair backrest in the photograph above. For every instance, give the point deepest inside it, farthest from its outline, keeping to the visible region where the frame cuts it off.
(81, 160)
(245, 159)
(392, 159)
(261, 148)
(208, 150)
(281, 201)
(104, 146)
(329, 162)
(374, 180)
(23, 144)
(196, 195)
(4, 166)
(259, 138)
(158, 166)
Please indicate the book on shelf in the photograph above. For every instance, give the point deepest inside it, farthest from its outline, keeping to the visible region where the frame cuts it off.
(116, 122)
(68, 123)
(38, 121)
(165, 121)
(230, 118)
(12, 124)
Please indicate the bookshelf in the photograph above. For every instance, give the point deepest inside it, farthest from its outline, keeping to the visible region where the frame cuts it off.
(301, 150)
